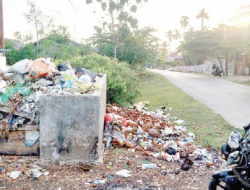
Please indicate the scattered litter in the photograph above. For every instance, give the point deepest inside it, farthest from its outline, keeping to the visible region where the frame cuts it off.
(46, 173)
(14, 174)
(149, 166)
(123, 173)
(99, 182)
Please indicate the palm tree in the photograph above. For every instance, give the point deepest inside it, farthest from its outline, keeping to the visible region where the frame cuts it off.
(184, 22)
(202, 15)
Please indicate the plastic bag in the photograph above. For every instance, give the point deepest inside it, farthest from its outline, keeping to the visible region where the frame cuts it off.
(40, 67)
(22, 66)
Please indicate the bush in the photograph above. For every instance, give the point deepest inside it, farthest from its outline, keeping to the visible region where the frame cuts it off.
(121, 80)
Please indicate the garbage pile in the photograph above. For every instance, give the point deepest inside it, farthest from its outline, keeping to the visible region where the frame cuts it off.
(156, 134)
(23, 83)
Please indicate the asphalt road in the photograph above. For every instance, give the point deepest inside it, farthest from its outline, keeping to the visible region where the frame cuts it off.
(229, 99)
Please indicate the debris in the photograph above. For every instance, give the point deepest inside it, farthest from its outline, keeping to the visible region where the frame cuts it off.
(14, 174)
(171, 151)
(185, 167)
(99, 182)
(153, 133)
(64, 67)
(149, 166)
(40, 67)
(46, 173)
(34, 173)
(31, 137)
(19, 95)
(110, 177)
(22, 66)
(123, 173)
(210, 164)
(84, 167)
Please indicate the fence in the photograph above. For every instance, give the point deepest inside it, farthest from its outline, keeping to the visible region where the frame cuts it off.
(239, 68)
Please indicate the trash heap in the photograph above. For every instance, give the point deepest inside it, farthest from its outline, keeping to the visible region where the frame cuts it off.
(23, 83)
(155, 133)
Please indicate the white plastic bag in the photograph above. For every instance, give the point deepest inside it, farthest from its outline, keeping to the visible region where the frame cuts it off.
(22, 66)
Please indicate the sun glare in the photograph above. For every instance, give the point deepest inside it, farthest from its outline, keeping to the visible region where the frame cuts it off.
(243, 21)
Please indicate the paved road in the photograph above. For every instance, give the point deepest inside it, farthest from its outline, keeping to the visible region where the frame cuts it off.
(230, 100)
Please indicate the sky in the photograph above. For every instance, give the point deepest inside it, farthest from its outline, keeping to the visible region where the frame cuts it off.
(164, 15)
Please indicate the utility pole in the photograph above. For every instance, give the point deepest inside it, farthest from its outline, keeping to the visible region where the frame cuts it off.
(1, 26)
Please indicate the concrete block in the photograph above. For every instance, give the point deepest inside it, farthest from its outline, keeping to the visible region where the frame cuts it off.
(71, 126)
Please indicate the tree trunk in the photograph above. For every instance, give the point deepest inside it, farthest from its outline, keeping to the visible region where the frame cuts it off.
(116, 46)
(221, 66)
(227, 65)
(37, 38)
(235, 67)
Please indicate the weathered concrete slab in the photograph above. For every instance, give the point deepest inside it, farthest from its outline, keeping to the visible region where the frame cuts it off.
(71, 126)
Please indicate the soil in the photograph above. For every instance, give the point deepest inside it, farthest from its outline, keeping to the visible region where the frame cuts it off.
(167, 175)
(237, 78)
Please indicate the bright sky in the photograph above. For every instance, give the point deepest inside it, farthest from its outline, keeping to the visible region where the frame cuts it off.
(164, 15)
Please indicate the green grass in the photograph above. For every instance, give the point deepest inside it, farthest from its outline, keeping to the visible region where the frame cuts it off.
(210, 128)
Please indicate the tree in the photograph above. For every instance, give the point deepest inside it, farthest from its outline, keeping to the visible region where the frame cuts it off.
(140, 47)
(184, 22)
(202, 15)
(137, 47)
(43, 24)
(34, 16)
(120, 15)
(23, 38)
(173, 35)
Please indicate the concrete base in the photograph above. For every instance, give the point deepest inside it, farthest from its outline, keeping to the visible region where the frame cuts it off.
(71, 126)
(15, 145)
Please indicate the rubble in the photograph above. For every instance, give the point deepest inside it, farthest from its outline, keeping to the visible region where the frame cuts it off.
(155, 133)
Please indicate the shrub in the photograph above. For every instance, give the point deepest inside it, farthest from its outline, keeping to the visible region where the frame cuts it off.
(121, 80)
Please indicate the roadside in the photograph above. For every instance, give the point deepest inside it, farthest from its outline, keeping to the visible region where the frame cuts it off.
(210, 128)
(240, 79)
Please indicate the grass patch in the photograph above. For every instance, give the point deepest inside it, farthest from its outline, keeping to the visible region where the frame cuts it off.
(210, 128)
(245, 83)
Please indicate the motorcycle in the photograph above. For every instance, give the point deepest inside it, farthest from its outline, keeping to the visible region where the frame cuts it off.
(236, 151)
(216, 70)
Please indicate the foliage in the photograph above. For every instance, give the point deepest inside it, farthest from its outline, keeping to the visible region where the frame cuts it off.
(117, 16)
(223, 41)
(56, 46)
(202, 15)
(137, 48)
(23, 38)
(173, 35)
(121, 80)
(15, 55)
(184, 22)
(43, 24)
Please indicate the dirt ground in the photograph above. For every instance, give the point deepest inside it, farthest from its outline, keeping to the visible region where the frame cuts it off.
(238, 78)
(167, 175)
